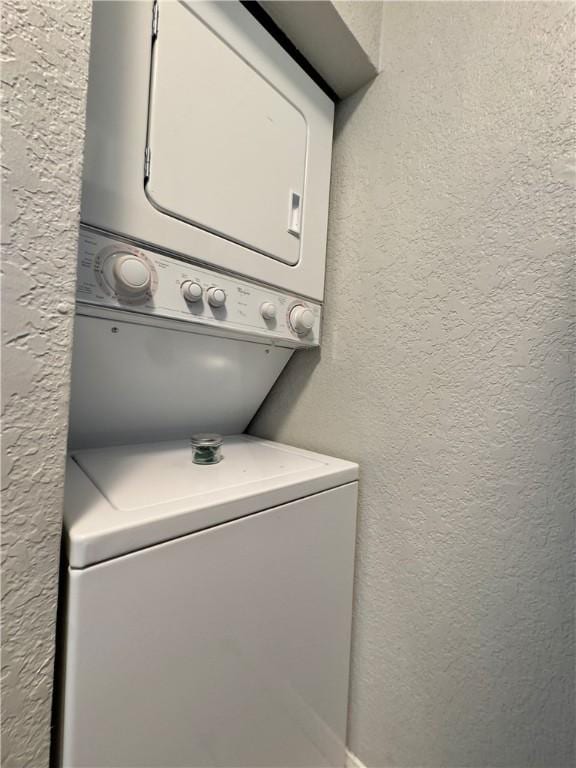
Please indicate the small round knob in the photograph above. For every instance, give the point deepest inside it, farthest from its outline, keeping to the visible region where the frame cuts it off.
(216, 297)
(132, 275)
(268, 310)
(301, 319)
(191, 290)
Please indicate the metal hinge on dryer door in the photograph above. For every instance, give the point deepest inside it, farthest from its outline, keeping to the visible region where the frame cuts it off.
(147, 163)
(155, 19)
(155, 12)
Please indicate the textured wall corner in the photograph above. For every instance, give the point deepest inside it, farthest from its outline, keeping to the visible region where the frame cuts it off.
(446, 372)
(364, 19)
(341, 40)
(44, 72)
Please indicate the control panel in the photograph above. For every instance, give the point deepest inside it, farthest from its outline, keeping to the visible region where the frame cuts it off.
(115, 275)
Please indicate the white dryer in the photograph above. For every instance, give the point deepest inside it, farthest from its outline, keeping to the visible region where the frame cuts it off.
(205, 138)
(208, 608)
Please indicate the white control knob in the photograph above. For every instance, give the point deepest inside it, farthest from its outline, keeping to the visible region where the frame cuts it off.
(191, 290)
(132, 275)
(268, 310)
(301, 319)
(216, 297)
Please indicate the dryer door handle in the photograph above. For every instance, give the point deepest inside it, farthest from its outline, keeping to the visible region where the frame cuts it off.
(295, 212)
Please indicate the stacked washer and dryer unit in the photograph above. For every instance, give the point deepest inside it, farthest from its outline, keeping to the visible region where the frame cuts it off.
(207, 609)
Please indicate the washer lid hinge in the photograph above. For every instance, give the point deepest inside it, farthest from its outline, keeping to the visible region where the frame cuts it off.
(146, 163)
(155, 19)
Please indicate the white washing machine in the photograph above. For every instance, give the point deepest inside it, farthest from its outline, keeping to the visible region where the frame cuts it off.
(206, 609)
(205, 138)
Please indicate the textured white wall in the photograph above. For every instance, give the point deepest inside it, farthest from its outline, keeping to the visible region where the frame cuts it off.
(44, 73)
(445, 371)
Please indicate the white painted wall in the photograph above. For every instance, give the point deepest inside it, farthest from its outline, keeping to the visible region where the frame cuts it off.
(44, 69)
(446, 372)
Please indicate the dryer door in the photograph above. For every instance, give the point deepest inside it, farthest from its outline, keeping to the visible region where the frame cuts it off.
(227, 148)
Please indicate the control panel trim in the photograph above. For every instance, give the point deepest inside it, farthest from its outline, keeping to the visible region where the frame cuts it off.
(117, 237)
(228, 304)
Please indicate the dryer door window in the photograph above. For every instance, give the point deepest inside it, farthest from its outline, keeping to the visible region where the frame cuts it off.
(227, 149)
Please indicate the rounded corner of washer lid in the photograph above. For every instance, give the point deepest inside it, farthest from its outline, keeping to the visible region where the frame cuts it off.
(346, 471)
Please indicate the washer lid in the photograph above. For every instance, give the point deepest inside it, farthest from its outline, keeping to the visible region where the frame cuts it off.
(124, 498)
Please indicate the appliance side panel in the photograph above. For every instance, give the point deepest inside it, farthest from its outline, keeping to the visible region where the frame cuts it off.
(117, 112)
(227, 647)
(68, 634)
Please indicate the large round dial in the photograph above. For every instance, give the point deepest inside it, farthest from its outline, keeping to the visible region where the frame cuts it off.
(132, 275)
(125, 274)
(301, 319)
(216, 297)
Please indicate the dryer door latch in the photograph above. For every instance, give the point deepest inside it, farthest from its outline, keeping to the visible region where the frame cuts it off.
(294, 214)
